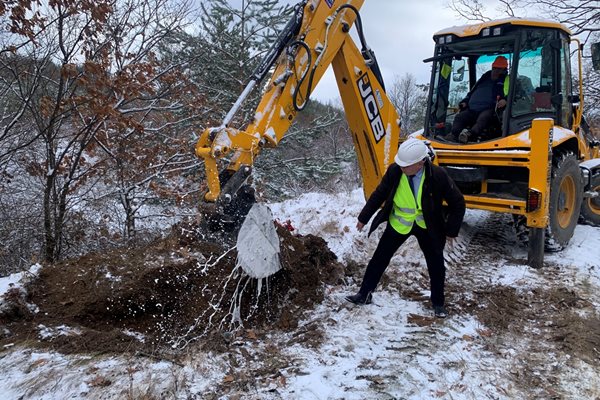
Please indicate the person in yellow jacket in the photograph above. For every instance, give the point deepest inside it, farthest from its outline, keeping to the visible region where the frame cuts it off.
(412, 193)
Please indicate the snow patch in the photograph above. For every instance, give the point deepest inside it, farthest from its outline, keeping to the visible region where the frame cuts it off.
(49, 333)
(17, 280)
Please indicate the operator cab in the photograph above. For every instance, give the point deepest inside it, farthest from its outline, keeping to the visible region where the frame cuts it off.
(539, 83)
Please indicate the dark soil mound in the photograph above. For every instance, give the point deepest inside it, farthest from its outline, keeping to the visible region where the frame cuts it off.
(553, 318)
(166, 294)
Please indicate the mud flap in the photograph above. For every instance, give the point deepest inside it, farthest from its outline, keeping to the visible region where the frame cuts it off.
(258, 243)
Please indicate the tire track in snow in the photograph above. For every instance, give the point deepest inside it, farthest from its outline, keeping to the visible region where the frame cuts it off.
(487, 242)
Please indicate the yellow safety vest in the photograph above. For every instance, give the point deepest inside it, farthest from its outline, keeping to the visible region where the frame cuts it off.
(406, 209)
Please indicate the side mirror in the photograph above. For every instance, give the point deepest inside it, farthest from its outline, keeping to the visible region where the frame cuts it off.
(596, 56)
(458, 73)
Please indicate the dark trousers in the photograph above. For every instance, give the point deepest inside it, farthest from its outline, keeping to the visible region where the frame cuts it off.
(390, 242)
(469, 118)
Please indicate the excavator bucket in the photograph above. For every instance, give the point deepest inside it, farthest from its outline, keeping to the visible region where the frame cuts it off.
(227, 216)
(258, 243)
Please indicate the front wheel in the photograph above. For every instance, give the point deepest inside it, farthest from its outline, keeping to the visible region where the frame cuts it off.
(566, 192)
(590, 208)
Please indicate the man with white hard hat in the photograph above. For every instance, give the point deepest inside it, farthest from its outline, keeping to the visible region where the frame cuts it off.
(412, 193)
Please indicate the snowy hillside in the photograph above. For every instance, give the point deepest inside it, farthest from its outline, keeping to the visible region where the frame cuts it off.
(512, 332)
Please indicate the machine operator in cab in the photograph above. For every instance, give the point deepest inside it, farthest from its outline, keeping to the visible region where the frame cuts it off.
(482, 103)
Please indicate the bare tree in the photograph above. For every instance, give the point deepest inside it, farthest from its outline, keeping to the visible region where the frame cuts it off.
(410, 99)
(581, 16)
(592, 99)
(161, 107)
(86, 84)
(476, 11)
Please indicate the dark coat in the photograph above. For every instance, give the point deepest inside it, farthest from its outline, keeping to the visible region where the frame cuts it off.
(497, 91)
(438, 186)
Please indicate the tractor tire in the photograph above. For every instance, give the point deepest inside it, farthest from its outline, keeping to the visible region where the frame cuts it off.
(566, 193)
(590, 207)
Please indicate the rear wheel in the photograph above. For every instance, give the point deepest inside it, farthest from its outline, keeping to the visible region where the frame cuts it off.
(590, 208)
(566, 191)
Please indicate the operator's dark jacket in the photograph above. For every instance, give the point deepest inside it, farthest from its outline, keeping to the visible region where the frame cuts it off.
(497, 91)
(438, 186)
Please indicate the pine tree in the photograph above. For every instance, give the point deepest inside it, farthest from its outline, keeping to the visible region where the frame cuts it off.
(227, 49)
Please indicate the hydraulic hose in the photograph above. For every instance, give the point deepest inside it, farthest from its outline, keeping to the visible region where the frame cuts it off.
(303, 77)
(291, 30)
(367, 53)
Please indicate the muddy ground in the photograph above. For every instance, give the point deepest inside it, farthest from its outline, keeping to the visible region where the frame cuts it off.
(163, 296)
(158, 299)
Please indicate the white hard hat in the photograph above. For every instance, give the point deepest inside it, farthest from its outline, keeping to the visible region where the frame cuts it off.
(410, 152)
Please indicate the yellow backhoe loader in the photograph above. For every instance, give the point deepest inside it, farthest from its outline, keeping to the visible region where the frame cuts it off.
(536, 161)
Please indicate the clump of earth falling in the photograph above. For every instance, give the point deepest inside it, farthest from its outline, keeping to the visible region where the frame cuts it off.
(167, 294)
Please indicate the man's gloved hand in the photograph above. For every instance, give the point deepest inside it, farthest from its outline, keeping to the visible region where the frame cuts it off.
(462, 105)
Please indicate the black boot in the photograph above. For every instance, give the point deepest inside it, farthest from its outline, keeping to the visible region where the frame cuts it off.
(440, 311)
(360, 298)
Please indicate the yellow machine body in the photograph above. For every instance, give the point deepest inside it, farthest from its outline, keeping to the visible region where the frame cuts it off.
(513, 171)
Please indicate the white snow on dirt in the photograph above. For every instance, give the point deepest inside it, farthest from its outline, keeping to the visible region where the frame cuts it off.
(391, 349)
(16, 280)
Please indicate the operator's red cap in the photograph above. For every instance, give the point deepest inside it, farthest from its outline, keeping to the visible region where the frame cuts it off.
(500, 62)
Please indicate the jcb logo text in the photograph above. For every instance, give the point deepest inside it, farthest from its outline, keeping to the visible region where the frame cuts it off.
(370, 104)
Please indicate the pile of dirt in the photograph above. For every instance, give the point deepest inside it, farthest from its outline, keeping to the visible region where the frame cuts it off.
(164, 295)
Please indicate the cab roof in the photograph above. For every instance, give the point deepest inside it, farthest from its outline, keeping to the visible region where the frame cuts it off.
(475, 29)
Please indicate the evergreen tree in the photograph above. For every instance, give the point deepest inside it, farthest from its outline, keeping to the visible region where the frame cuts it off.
(227, 49)
(317, 153)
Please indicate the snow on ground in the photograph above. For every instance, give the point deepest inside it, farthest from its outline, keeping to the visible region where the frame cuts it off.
(29, 374)
(375, 353)
(16, 280)
(370, 347)
(580, 261)
(388, 350)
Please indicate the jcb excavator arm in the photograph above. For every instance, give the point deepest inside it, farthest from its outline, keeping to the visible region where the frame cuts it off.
(317, 36)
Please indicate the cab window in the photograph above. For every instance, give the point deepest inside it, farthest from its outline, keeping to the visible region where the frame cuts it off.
(534, 82)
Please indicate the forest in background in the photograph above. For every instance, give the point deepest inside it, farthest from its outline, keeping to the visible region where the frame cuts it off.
(103, 101)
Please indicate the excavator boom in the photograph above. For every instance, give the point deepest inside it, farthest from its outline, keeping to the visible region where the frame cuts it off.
(317, 36)
(534, 160)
